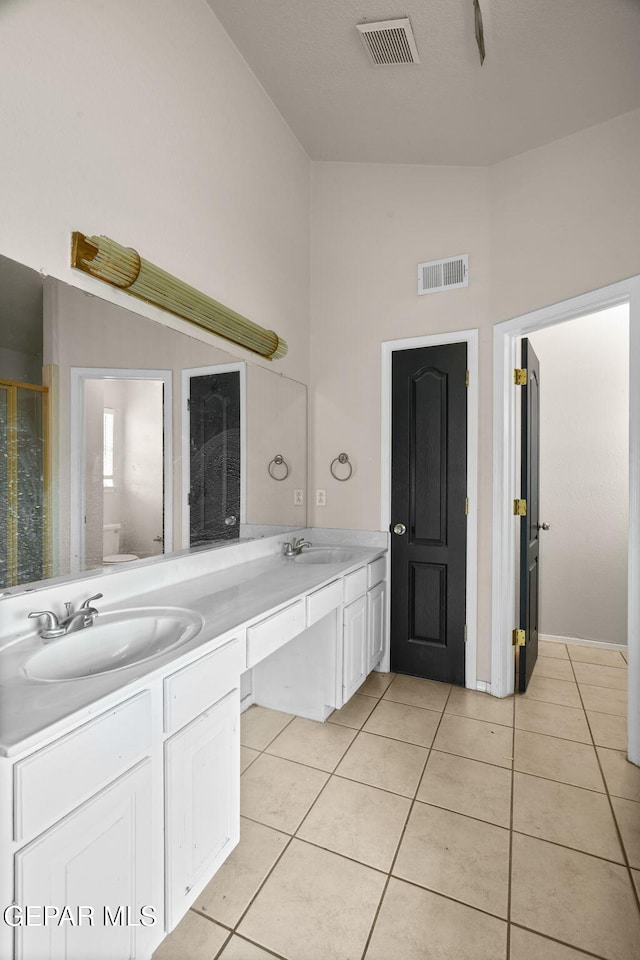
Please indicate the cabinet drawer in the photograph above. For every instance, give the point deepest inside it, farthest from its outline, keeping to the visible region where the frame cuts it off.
(376, 572)
(189, 691)
(355, 584)
(323, 601)
(265, 637)
(61, 776)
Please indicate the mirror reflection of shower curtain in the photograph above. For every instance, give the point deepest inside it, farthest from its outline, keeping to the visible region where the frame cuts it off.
(23, 462)
(214, 496)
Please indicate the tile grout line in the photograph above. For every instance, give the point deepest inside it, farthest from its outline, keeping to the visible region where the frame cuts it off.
(282, 852)
(562, 943)
(512, 832)
(510, 872)
(402, 834)
(267, 950)
(409, 812)
(294, 835)
(291, 837)
(634, 889)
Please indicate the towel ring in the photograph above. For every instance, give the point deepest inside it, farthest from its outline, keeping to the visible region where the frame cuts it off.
(278, 460)
(341, 458)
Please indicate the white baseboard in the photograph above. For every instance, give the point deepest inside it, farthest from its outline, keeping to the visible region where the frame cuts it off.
(583, 642)
(483, 685)
(246, 702)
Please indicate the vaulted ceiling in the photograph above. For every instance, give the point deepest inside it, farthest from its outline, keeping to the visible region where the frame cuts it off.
(552, 67)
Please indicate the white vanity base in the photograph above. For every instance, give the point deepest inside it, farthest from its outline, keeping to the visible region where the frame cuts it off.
(122, 790)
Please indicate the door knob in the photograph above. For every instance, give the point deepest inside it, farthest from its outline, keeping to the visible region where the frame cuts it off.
(399, 529)
(230, 521)
(544, 526)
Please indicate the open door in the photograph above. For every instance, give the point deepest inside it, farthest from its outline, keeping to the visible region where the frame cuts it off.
(529, 504)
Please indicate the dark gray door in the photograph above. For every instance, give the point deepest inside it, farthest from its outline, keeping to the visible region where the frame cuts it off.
(529, 524)
(214, 492)
(428, 512)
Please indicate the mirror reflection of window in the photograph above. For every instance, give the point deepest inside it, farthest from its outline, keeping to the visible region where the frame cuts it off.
(108, 424)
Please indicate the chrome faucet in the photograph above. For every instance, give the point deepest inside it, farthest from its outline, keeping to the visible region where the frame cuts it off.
(294, 549)
(84, 616)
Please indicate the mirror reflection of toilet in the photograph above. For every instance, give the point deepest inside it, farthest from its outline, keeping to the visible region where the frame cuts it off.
(111, 545)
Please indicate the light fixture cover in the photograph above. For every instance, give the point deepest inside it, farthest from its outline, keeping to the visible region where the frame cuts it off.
(123, 267)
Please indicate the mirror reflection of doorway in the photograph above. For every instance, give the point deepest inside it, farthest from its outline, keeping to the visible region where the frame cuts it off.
(122, 495)
(214, 456)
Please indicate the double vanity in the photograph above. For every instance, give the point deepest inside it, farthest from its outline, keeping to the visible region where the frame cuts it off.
(119, 741)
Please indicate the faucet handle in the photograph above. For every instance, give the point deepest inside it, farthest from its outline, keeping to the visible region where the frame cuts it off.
(89, 601)
(52, 620)
(52, 628)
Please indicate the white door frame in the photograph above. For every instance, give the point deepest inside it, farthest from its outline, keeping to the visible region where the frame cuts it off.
(470, 337)
(506, 482)
(77, 451)
(187, 374)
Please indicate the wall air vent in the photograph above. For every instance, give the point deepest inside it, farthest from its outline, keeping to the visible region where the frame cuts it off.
(446, 274)
(389, 41)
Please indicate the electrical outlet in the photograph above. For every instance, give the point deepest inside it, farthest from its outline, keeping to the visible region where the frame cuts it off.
(321, 498)
(298, 498)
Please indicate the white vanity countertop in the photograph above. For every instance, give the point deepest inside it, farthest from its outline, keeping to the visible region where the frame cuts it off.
(33, 711)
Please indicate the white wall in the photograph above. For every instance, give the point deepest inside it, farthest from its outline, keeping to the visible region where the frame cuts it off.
(565, 218)
(539, 228)
(584, 489)
(372, 223)
(142, 474)
(141, 121)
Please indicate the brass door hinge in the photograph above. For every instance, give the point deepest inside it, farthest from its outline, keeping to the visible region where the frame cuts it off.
(519, 638)
(520, 377)
(519, 508)
(466, 378)
(465, 633)
(466, 506)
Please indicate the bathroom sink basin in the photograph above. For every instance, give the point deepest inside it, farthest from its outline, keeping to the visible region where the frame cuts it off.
(326, 555)
(116, 640)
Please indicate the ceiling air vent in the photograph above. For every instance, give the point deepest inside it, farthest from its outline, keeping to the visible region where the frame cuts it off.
(389, 41)
(446, 274)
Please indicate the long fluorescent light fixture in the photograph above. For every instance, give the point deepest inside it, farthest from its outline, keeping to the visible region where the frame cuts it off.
(124, 268)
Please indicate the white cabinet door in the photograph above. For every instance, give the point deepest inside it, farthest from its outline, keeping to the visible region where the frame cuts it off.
(375, 623)
(202, 806)
(99, 858)
(354, 646)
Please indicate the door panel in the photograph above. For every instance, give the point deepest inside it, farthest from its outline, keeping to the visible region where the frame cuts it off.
(428, 602)
(529, 529)
(354, 646)
(214, 494)
(428, 464)
(202, 802)
(428, 497)
(99, 856)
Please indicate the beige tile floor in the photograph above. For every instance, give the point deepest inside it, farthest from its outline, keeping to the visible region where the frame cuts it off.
(425, 822)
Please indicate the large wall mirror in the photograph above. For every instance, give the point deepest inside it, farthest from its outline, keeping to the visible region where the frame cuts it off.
(124, 439)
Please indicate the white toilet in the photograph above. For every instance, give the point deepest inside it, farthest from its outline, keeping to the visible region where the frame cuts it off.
(111, 545)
